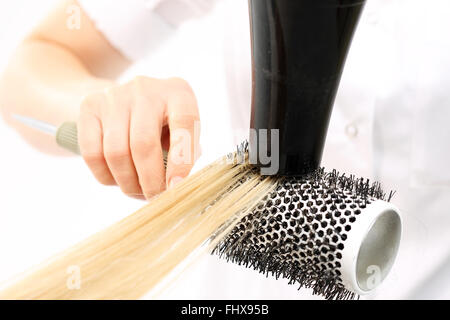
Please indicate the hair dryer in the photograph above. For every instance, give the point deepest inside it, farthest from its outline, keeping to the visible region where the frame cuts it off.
(298, 52)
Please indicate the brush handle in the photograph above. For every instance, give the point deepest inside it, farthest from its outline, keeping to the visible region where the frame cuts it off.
(67, 138)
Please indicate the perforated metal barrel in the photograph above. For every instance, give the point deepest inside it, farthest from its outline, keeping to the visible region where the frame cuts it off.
(335, 234)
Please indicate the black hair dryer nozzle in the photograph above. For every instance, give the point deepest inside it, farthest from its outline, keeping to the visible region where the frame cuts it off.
(298, 53)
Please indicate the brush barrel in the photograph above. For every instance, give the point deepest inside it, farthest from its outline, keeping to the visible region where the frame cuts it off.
(329, 232)
(298, 53)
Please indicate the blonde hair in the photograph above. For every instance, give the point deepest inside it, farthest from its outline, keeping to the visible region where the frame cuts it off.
(129, 258)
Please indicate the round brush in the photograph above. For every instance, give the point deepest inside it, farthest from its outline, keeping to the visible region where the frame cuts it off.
(333, 233)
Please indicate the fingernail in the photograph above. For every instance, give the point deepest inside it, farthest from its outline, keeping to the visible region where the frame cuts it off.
(174, 181)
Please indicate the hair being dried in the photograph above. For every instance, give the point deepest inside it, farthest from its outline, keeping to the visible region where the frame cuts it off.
(215, 205)
(129, 258)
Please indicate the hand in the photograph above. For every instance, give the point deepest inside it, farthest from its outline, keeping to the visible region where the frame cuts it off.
(124, 129)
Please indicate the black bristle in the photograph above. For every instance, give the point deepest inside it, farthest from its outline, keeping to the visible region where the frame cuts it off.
(312, 232)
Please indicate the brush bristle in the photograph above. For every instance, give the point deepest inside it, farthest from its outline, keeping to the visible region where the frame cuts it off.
(299, 230)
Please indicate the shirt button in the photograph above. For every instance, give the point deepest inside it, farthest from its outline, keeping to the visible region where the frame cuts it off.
(351, 130)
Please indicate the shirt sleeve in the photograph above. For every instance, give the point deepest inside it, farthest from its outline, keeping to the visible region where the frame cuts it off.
(136, 27)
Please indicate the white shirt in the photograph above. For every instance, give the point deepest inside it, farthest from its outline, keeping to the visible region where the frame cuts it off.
(389, 123)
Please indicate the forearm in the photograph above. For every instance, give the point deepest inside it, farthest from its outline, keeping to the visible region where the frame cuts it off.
(45, 81)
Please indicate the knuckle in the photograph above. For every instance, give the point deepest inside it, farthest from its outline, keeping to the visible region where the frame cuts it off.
(118, 97)
(184, 120)
(180, 84)
(115, 93)
(117, 155)
(110, 91)
(185, 97)
(143, 85)
(186, 106)
(92, 157)
(141, 144)
(90, 102)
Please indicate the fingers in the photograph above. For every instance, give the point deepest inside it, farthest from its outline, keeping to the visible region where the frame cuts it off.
(122, 130)
(184, 124)
(116, 146)
(145, 142)
(90, 139)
